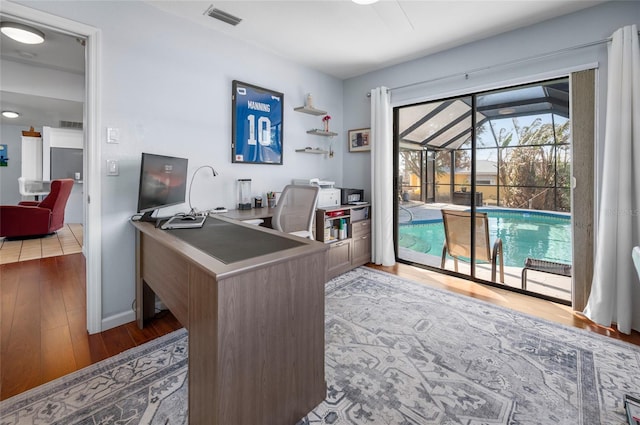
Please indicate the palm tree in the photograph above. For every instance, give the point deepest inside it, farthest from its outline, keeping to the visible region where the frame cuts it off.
(535, 169)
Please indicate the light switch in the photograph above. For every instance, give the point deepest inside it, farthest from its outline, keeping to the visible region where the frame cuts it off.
(112, 167)
(113, 135)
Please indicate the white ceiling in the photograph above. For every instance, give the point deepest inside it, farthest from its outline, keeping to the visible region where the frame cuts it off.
(344, 39)
(336, 37)
(59, 52)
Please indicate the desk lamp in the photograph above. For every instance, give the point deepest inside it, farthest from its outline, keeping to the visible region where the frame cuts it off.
(192, 211)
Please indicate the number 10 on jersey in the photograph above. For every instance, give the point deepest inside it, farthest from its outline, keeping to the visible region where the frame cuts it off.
(257, 124)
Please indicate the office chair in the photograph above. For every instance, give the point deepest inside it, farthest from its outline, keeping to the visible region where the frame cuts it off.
(295, 210)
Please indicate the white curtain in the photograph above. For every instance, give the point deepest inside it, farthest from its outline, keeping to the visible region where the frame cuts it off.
(612, 291)
(382, 178)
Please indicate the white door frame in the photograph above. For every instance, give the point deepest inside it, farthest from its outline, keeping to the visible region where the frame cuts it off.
(92, 245)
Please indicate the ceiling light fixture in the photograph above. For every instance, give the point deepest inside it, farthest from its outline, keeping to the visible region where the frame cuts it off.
(506, 111)
(10, 114)
(364, 2)
(22, 33)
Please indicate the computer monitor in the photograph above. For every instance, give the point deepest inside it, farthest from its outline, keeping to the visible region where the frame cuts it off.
(163, 183)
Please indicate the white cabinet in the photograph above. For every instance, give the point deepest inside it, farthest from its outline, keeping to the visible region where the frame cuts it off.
(31, 158)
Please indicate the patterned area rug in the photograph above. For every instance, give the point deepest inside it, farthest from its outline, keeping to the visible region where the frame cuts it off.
(398, 352)
(144, 385)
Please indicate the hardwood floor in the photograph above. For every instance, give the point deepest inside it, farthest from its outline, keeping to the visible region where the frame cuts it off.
(43, 319)
(43, 324)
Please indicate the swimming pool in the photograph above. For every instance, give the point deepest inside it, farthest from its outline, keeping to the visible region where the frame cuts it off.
(541, 235)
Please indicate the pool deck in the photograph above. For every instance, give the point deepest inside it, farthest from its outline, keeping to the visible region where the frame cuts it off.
(419, 211)
(537, 282)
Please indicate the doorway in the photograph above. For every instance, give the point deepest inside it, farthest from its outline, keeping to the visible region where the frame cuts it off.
(91, 192)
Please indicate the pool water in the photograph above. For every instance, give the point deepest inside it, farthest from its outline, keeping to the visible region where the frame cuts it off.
(545, 236)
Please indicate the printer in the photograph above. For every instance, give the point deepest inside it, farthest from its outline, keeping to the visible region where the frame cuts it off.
(329, 196)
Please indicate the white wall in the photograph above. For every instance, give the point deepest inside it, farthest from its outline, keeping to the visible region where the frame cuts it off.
(166, 84)
(593, 24)
(43, 82)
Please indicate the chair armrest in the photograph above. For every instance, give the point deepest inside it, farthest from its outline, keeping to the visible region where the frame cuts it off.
(24, 220)
(497, 256)
(28, 203)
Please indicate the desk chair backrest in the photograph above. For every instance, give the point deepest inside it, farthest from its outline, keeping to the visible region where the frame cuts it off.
(457, 230)
(295, 210)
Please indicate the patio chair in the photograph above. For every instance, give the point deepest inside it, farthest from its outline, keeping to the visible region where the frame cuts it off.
(457, 243)
(544, 266)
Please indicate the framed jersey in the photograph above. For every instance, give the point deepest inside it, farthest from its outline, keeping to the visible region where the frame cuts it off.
(257, 116)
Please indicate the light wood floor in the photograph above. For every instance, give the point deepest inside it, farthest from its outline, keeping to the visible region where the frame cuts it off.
(43, 319)
(67, 240)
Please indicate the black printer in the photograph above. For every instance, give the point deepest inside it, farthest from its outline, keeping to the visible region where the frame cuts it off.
(351, 196)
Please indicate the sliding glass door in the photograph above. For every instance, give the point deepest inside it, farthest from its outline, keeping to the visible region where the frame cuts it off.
(484, 181)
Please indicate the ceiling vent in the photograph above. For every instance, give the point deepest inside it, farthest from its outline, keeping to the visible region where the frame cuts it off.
(71, 124)
(223, 16)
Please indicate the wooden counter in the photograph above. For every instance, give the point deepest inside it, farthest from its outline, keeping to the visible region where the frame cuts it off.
(256, 326)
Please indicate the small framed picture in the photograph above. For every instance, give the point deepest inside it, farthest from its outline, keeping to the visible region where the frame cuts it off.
(359, 140)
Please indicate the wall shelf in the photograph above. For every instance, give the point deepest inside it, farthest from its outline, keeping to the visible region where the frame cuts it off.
(319, 132)
(310, 110)
(318, 151)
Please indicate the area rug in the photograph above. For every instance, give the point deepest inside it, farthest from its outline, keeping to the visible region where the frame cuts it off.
(397, 352)
(144, 385)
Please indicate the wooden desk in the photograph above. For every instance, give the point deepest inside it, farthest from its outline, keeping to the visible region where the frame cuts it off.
(256, 326)
(252, 214)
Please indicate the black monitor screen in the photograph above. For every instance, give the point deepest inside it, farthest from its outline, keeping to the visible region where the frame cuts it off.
(163, 182)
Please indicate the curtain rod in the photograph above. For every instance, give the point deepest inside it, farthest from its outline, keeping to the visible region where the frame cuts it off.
(504, 64)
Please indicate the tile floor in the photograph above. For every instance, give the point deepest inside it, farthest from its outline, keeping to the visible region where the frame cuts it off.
(67, 240)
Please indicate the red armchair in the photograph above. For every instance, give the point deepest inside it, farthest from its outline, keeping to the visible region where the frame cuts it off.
(34, 218)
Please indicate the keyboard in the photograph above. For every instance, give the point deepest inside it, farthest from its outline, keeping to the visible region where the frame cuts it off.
(183, 222)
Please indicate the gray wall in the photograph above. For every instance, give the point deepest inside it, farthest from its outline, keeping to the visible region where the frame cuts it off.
(448, 68)
(166, 84)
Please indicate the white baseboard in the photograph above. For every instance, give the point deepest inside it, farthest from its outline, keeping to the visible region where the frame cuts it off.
(118, 319)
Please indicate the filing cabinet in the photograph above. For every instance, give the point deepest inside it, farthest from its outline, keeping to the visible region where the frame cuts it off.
(360, 242)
